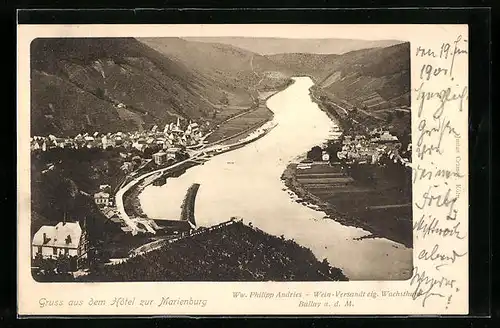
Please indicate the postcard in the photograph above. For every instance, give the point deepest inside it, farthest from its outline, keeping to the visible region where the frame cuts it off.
(200, 170)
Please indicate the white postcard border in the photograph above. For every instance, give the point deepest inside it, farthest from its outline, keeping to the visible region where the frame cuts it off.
(219, 295)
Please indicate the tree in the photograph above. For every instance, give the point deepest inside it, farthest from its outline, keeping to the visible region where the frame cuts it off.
(137, 160)
(149, 151)
(38, 260)
(48, 265)
(73, 264)
(63, 264)
(332, 148)
(183, 155)
(315, 153)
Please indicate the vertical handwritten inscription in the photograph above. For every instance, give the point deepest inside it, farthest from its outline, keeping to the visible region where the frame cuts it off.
(439, 138)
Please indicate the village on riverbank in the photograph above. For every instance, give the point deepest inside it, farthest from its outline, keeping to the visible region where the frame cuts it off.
(362, 176)
(331, 179)
(144, 158)
(174, 159)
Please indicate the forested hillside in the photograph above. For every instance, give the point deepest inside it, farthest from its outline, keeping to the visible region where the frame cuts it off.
(112, 84)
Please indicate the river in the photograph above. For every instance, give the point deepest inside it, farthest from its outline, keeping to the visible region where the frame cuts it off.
(247, 183)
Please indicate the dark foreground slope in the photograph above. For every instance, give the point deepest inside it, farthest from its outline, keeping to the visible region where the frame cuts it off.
(110, 84)
(233, 253)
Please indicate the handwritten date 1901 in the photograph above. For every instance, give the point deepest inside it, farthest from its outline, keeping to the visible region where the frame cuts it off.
(446, 51)
(428, 71)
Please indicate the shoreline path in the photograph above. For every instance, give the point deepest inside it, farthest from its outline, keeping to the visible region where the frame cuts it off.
(195, 155)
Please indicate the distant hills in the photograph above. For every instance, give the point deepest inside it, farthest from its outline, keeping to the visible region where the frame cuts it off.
(271, 46)
(111, 84)
(373, 78)
(234, 67)
(317, 66)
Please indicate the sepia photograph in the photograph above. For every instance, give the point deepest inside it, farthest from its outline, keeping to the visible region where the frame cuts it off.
(220, 159)
(242, 169)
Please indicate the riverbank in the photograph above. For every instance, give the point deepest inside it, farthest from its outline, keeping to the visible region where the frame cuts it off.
(360, 121)
(244, 122)
(229, 133)
(252, 119)
(131, 202)
(332, 115)
(132, 205)
(247, 183)
(345, 200)
(383, 207)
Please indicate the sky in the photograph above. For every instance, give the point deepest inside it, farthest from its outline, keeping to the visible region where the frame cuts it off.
(270, 46)
(404, 32)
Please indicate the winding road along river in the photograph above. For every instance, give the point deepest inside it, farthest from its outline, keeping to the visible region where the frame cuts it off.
(247, 183)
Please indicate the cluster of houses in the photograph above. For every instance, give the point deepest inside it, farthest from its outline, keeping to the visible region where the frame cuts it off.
(363, 149)
(173, 135)
(69, 238)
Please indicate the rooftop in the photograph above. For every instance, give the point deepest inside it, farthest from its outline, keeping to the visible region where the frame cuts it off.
(62, 235)
(101, 194)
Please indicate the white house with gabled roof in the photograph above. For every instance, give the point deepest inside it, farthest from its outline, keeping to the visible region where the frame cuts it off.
(65, 238)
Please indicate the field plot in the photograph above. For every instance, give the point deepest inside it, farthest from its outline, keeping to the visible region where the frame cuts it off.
(239, 124)
(229, 112)
(378, 204)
